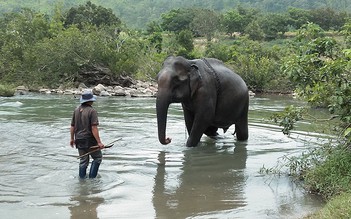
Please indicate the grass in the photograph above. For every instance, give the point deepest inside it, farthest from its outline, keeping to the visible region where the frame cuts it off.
(338, 207)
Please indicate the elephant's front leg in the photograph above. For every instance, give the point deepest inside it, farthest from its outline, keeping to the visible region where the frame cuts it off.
(196, 126)
(189, 119)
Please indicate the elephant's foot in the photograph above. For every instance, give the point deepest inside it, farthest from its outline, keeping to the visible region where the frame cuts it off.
(241, 135)
(216, 137)
(242, 131)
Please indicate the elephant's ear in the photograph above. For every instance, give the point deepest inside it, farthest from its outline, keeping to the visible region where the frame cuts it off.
(195, 79)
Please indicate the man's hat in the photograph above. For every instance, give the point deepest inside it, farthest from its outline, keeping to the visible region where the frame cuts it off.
(87, 96)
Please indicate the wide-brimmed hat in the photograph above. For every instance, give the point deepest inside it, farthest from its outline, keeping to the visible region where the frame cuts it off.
(87, 96)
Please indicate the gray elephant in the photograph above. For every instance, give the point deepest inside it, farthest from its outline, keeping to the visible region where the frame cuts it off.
(212, 97)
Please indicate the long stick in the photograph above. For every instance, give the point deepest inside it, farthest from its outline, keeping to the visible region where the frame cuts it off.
(96, 148)
(107, 146)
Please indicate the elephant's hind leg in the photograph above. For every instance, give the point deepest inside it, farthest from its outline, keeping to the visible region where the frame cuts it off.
(211, 131)
(242, 130)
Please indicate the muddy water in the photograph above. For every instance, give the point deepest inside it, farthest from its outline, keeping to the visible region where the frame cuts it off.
(140, 178)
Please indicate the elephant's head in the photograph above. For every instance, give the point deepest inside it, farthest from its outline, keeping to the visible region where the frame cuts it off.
(178, 81)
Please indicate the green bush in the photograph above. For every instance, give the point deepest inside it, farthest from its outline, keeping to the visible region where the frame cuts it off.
(337, 207)
(259, 65)
(6, 91)
(320, 68)
(330, 173)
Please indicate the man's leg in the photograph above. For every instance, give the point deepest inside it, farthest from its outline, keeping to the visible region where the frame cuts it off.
(83, 164)
(97, 156)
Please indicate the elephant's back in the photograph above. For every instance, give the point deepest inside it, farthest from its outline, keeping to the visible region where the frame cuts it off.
(228, 79)
(231, 80)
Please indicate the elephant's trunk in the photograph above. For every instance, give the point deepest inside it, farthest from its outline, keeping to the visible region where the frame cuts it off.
(162, 104)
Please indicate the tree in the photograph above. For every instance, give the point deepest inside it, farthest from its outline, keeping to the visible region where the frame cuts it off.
(272, 24)
(177, 20)
(346, 31)
(185, 39)
(254, 31)
(327, 18)
(18, 32)
(238, 19)
(91, 14)
(56, 23)
(205, 23)
(298, 17)
(153, 27)
(232, 22)
(321, 70)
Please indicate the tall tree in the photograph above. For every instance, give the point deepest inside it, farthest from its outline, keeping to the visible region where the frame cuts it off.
(91, 14)
(177, 20)
(205, 23)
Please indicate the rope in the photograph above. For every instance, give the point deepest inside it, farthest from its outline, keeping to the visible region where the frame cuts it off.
(215, 75)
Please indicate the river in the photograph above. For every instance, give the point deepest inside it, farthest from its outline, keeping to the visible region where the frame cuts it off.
(139, 177)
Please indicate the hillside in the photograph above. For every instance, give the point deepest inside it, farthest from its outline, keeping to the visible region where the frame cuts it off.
(137, 13)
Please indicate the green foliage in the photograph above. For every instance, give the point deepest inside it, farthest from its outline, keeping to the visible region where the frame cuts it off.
(236, 20)
(129, 48)
(205, 23)
(155, 39)
(274, 24)
(36, 51)
(91, 14)
(288, 118)
(177, 20)
(136, 14)
(57, 60)
(254, 31)
(6, 91)
(298, 17)
(17, 33)
(337, 207)
(327, 18)
(346, 31)
(320, 68)
(321, 71)
(258, 64)
(323, 169)
(232, 22)
(330, 173)
(53, 50)
(153, 27)
(185, 39)
(219, 51)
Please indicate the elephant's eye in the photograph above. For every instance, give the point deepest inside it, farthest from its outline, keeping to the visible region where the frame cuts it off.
(182, 77)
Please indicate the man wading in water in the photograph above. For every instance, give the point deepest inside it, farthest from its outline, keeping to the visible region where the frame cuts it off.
(85, 134)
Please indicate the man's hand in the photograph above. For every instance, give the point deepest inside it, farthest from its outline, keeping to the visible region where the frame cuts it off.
(101, 145)
(72, 143)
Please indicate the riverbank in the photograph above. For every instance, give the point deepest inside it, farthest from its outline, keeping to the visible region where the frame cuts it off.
(137, 89)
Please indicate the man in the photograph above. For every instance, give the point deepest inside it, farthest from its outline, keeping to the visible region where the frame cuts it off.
(85, 134)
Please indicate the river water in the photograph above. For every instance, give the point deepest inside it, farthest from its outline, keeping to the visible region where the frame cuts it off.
(139, 177)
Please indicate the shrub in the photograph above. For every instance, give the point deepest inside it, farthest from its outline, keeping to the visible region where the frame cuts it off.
(6, 91)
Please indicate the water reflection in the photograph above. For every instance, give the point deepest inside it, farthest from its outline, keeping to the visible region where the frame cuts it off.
(85, 200)
(212, 179)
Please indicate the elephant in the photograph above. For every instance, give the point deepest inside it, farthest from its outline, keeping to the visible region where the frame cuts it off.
(212, 97)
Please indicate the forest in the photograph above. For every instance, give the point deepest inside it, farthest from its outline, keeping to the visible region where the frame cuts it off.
(137, 13)
(300, 49)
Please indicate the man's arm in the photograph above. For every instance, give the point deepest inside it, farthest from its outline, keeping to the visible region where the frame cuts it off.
(72, 136)
(95, 132)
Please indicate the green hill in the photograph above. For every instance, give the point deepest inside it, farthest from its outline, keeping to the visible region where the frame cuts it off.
(137, 13)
